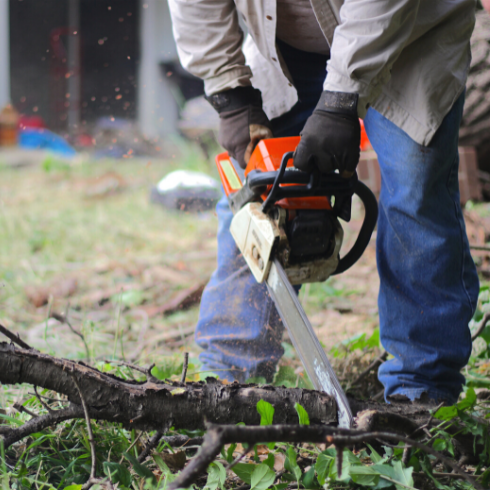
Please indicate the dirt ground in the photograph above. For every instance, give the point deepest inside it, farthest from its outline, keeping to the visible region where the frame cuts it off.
(81, 242)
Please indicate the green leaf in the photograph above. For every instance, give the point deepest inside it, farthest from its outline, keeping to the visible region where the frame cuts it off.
(281, 486)
(304, 419)
(469, 401)
(117, 473)
(439, 444)
(426, 466)
(291, 464)
(289, 352)
(347, 460)
(322, 467)
(285, 377)
(384, 470)
(244, 471)
(262, 477)
(446, 413)
(270, 461)
(373, 341)
(364, 475)
(229, 453)
(133, 297)
(402, 474)
(73, 487)
(139, 468)
(308, 479)
(374, 455)
(216, 476)
(266, 411)
(12, 420)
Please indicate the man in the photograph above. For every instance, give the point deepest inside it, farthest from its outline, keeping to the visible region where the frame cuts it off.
(308, 68)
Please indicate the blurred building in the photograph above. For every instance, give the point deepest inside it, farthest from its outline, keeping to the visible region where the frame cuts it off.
(72, 62)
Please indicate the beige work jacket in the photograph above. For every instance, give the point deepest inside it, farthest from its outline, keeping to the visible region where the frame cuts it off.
(407, 58)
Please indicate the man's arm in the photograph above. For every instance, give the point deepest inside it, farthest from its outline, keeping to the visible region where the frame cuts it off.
(366, 44)
(209, 42)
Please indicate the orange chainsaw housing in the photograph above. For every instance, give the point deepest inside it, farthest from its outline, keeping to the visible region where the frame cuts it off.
(267, 157)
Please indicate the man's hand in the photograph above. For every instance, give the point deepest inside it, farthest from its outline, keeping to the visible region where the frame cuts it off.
(243, 123)
(331, 137)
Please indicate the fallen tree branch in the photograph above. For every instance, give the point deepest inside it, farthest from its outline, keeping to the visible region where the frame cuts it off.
(219, 435)
(157, 405)
(37, 424)
(14, 338)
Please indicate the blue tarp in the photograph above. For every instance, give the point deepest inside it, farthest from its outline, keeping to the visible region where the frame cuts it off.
(34, 138)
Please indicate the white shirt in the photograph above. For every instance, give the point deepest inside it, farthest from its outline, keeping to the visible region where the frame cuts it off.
(408, 59)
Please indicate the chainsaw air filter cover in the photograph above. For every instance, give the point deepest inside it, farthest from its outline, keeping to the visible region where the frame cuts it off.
(310, 233)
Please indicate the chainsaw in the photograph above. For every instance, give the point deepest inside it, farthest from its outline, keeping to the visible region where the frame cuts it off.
(286, 225)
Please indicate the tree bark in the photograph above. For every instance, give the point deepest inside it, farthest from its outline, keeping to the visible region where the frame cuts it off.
(160, 405)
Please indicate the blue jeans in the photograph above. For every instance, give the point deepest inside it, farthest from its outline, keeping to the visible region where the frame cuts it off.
(429, 285)
(428, 281)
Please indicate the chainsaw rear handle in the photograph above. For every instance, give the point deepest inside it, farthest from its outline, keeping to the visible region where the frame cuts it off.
(370, 217)
(317, 184)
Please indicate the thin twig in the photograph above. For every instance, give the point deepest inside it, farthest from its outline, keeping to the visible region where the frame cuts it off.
(20, 408)
(481, 326)
(91, 439)
(184, 367)
(407, 452)
(150, 376)
(41, 401)
(129, 365)
(239, 458)
(14, 338)
(376, 363)
(181, 441)
(64, 319)
(427, 424)
(150, 445)
(145, 371)
(482, 248)
(442, 475)
(134, 442)
(38, 424)
(217, 436)
(131, 446)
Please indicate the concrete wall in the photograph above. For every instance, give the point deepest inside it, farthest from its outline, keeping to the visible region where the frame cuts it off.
(157, 107)
(4, 53)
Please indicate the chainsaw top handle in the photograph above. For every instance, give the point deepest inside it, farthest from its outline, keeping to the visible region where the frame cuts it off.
(317, 184)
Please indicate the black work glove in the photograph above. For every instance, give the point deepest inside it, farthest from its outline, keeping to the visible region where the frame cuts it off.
(243, 123)
(331, 137)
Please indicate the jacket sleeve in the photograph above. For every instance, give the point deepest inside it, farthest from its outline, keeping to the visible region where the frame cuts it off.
(366, 44)
(209, 42)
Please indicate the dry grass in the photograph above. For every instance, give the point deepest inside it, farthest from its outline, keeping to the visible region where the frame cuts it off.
(85, 238)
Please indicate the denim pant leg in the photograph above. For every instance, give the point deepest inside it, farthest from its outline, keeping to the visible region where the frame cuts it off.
(239, 328)
(428, 281)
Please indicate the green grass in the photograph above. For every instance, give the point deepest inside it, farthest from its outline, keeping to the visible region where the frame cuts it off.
(127, 255)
